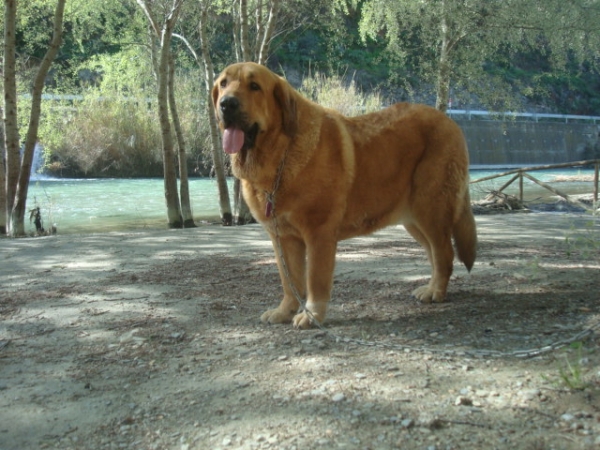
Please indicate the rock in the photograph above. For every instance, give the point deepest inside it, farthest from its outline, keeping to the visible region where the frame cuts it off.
(567, 417)
(338, 397)
(529, 394)
(407, 423)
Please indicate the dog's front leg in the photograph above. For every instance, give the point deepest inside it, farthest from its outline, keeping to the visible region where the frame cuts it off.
(321, 264)
(292, 269)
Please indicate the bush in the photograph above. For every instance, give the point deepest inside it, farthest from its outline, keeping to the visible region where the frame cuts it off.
(112, 129)
(336, 93)
(101, 136)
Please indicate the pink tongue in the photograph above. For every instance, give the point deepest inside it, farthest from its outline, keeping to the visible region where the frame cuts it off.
(233, 140)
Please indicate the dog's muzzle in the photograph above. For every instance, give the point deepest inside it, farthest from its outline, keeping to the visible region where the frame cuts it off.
(229, 109)
(238, 134)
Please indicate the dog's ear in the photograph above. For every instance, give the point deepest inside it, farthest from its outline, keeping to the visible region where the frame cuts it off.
(284, 95)
(215, 93)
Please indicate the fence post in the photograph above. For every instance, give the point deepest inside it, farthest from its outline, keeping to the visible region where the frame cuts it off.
(596, 169)
(521, 186)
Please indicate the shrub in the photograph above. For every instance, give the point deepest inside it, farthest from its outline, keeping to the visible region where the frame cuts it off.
(112, 129)
(336, 93)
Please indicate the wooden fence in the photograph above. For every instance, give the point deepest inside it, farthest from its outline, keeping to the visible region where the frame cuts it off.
(519, 174)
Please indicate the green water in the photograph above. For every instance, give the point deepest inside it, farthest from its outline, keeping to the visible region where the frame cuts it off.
(101, 205)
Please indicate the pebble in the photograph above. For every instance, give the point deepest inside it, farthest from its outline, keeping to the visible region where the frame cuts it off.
(567, 417)
(529, 394)
(407, 423)
(338, 397)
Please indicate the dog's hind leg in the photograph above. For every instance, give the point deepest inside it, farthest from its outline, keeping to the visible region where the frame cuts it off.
(438, 245)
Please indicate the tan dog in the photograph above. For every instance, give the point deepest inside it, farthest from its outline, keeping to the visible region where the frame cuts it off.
(313, 177)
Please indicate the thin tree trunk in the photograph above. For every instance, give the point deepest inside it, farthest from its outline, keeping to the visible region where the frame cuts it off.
(217, 152)
(18, 213)
(174, 217)
(2, 177)
(235, 15)
(244, 33)
(242, 214)
(263, 54)
(11, 127)
(184, 186)
(444, 68)
(170, 174)
(260, 29)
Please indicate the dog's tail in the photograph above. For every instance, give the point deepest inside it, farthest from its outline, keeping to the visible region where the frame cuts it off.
(465, 233)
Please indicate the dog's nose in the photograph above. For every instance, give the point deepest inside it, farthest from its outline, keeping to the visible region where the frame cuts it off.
(229, 104)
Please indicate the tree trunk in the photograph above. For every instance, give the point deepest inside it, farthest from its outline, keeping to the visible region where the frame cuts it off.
(2, 177)
(260, 29)
(244, 33)
(170, 174)
(263, 54)
(242, 214)
(20, 204)
(444, 68)
(165, 33)
(184, 187)
(217, 152)
(443, 85)
(11, 127)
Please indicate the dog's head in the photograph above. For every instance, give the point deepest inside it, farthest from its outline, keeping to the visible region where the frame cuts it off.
(252, 104)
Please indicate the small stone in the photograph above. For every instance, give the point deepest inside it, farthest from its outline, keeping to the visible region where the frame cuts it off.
(530, 394)
(338, 397)
(407, 423)
(567, 417)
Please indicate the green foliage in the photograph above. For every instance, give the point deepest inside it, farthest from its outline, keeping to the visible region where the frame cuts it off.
(571, 372)
(102, 136)
(336, 93)
(111, 129)
(583, 242)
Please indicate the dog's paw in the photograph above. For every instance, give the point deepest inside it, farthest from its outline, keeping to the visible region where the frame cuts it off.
(427, 294)
(274, 316)
(305, 320)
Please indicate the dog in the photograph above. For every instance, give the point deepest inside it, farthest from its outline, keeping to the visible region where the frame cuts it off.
(313, 177)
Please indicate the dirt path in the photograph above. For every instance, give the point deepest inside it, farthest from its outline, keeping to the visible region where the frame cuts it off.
(151, 340)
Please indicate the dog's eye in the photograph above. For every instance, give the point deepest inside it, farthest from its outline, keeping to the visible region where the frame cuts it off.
(254, 86)
(223, 82)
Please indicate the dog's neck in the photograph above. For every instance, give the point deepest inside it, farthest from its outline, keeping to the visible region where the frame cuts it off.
(270, 204)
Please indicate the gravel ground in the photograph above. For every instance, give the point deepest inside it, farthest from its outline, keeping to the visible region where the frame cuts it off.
(151, 340)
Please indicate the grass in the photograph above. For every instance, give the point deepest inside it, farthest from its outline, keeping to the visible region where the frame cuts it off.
(571, 371)
(583, 241)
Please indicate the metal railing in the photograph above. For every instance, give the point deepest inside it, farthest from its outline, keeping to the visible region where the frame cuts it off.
(534, 117)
